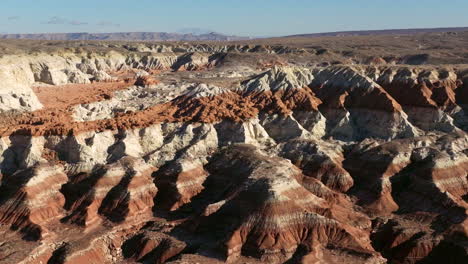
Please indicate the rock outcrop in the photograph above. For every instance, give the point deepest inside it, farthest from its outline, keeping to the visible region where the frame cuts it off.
(31, 200)
(116, 192)
(165, 156)
(265, 212)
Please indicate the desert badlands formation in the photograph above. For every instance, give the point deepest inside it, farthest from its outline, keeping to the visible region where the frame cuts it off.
(230, 152)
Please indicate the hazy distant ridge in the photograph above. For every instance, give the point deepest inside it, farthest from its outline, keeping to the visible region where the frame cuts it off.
(182, 36)
(383, 32)
(148, 36)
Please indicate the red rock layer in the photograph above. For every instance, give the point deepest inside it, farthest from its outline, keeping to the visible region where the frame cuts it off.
(372, 171)
(285, 101)
(117, 192)
(413, 241)
(376, 99)
(340, 87)
(423, 185)
(427, 94)
(436, 190)
(268, 214)
(60, 96)
(230, 105)
(97, 246)
(328, 91)
(177, 187)
(32, 198)
(152, 247)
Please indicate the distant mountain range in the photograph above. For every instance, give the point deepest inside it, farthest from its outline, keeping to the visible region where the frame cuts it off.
(196, 34)
(383, 32)
(143, 36)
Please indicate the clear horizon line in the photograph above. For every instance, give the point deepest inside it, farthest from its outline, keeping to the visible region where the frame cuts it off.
(233, 35)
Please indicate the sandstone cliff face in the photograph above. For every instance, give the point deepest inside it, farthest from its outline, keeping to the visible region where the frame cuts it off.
(15, 89)
(293, 164)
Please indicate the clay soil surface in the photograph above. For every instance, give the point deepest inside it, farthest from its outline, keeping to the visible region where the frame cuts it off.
(63, 96)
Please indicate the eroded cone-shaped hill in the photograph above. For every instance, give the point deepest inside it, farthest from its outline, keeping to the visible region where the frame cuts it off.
(267, 213)
(31, 199)
(118, 191)
(200, 154)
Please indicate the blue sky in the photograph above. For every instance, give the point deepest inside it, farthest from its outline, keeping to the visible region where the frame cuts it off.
(239, 17)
